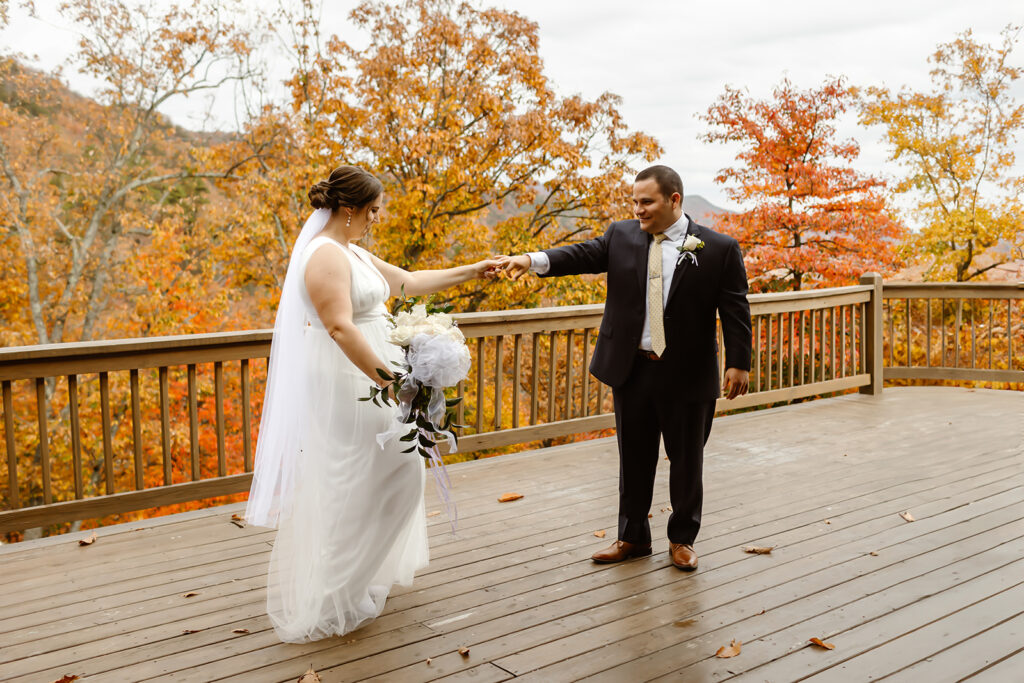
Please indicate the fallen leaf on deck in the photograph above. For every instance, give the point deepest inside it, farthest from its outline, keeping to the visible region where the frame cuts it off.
(310, 677)
(668, 509)
(67, 678)
(731, 650)
(191, 630)
(88, 541)
(828, 521)
(428, 661)
(907, 516)
(464, 651)
(509, 497)
(758, 550)
(190, 595)
(599, 534)
(873, 553)
(760, 613)
(820, 643)
(649, 515)
(240, 630)
(433, 513)
(238, 521)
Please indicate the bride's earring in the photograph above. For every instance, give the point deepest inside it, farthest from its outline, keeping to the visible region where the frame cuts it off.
(348, 223)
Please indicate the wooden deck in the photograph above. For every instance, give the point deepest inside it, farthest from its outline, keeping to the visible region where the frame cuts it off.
(940, 598)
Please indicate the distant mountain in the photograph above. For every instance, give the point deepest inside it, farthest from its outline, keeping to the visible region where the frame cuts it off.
(701, 210)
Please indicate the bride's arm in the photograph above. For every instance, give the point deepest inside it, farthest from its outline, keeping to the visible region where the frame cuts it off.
(329, 283)
(420, 282)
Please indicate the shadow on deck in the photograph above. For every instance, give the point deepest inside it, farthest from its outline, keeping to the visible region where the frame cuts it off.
(940, 598)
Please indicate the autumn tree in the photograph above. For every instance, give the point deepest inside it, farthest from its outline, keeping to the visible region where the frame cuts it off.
(450, 105)
(955, 144)
(813, 219)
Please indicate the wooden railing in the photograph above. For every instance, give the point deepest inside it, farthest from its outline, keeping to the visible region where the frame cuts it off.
(954, 332)
(95, 429)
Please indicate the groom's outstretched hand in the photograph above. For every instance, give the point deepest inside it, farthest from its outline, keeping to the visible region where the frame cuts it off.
(736, 382)
(516, 266)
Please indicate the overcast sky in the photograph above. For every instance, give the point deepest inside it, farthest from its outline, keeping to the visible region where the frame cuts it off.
(669, 60)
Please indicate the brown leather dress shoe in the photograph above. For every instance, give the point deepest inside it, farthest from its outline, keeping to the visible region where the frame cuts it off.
(619, 551)
(683, 556)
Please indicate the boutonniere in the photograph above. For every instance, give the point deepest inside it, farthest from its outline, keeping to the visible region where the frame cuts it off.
(689, 247)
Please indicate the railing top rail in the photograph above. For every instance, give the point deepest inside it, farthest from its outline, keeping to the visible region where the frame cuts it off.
(953, 290)
(115, 347)
(808, 294)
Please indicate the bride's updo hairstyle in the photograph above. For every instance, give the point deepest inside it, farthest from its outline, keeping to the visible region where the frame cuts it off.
(348, 186)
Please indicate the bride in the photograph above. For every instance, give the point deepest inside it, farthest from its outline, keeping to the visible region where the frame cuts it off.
(349, 513)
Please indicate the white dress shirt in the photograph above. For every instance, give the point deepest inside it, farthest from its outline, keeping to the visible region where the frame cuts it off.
(674, 236)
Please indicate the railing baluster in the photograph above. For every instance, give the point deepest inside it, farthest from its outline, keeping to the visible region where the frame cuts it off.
(586, 372)
(13, 492)
(44, 438)
(552, 376)
(218, 395)
(165, 425)
(757, 352)
(802, 350)
(193, 422)
(1009, 334)
(891, 312)
(568, 373)
(928, 335)
(534, 377)
(974, 336)
(499, 371)
(813, 344)
(133, 380)
(771, 350)
(789, 344)
(910, 360)
(517, 371)
(76, 435)
(991, 322)
(479, 384)
(460, 410)
(942, 326)
(956, 332)
(246, 417)
(108, 451)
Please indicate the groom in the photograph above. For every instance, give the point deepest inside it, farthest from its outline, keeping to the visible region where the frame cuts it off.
(657, 349)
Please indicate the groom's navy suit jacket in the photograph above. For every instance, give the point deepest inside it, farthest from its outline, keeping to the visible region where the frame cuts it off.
(716, 283)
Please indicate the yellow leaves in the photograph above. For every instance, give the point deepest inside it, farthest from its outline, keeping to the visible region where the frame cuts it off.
(89, 540)
(758, 550)
(907, 516)
(464, 651)
(730, 650)
(310, 676)
(600, 533)
(509, 497)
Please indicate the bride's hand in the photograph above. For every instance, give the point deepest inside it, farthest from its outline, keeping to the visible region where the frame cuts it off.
(489, 268)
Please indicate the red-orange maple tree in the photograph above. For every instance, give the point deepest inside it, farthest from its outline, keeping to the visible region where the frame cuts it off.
(813, 219)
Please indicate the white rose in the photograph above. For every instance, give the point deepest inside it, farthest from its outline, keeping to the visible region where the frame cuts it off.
(442, 319)
(692, 243)
(455, 334)
(401, 335)
(419, 311)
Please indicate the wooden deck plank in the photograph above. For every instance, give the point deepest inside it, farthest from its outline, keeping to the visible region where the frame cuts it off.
(1006, 669)
(516, 585)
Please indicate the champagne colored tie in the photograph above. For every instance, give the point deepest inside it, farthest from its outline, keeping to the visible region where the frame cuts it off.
(655, 301)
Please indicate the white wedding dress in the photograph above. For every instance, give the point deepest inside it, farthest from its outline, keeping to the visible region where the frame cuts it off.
(357, 524)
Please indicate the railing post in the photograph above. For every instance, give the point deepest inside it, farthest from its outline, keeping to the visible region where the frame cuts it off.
(873, 334)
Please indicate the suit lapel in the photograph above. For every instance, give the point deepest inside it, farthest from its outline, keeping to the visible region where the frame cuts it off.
(684, 263)
(643, 249)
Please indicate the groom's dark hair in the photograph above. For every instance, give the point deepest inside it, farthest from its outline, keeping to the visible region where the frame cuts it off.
(347, 186)
(668, 180)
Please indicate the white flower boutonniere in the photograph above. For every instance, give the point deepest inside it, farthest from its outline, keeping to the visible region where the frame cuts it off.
(689, 247)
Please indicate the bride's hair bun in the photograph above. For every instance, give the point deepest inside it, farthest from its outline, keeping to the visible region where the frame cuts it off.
(348, 186)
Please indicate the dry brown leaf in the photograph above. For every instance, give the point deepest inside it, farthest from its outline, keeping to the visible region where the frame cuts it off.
(760, 613)
(509, 497)
(433, 513)
(821, 643)
(191, 630)
(240, 630)
(907, 516)
(464, 651)
(238, 521)
(190, 595)
(67, 678)
(88, 541)
(310, 677)
(873, 553)
(828, 521)
(599, 534)
(731, 650)
(759, 550)
(428, 661)
(649, 515)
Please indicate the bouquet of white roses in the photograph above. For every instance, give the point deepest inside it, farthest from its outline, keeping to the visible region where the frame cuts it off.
(436, 358)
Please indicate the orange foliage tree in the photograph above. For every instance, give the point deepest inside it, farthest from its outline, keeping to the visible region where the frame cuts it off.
(814, 220)
(956, 144)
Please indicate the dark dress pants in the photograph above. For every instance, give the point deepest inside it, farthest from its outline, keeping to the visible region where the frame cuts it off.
(649, 407)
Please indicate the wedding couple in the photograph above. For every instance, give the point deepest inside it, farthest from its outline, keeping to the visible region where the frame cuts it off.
(350, 513)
